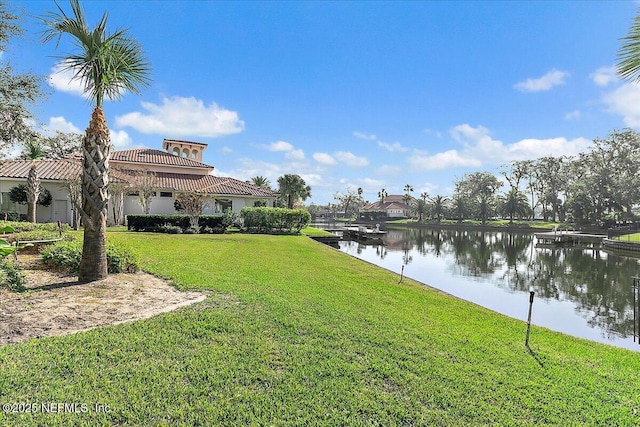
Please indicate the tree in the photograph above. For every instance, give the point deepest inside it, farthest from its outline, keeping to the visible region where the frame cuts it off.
(408, 189)
(420, 208)
(628, 66)
(18, 194)
(514, 203)
(293, 188)
(260, 181)
(107, 65)
(382, 194)
(193, 203)
(350, 202)
(17, 91)
(145, 184)
(61, 145)
(32, 151)
(438, 204)
(480, 188)
(74, 188)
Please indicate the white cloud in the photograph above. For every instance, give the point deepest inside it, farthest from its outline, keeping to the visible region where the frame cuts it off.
(225, 150)
(324, 159)
(350, 159)
(625, 101)
(446, 160)
(120, 139)
(604, 75)
(396, 147)
(467, 132)
(546, 82)
(280, 146)
(295, 155)
(573, 115)
(180, 116)
(62, 80)
(389, 170)
(536, 148)
(480, 148)
(61, 124)
(362, 135)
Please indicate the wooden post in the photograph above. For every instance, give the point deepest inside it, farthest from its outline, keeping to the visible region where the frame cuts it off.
(531, 294)
(401, 274)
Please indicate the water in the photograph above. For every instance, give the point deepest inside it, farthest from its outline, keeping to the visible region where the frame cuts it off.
(582, 292)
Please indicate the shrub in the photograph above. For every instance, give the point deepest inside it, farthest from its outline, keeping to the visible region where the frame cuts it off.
(160, 223)
(13, 216)
(11, 277)
(271, 220)
(67, 255)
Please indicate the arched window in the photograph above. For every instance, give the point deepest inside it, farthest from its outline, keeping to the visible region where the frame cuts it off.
(194, 154)
(185, 152)
(176, 151)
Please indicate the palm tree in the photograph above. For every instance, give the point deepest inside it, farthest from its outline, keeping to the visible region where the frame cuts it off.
(420, 208)
(292, 187)
(261, 181)
(438, 204)
(628, 66)
(33, 152)
(107, 64)
(408, 189)
(382, 194)
(514, 203)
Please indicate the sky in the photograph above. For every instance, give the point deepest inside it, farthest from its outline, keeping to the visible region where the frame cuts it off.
(354, 94)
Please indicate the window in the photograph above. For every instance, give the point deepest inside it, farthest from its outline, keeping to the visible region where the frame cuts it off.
(166, 194)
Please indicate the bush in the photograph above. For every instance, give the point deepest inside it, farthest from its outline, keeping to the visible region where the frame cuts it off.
(162, 223)
(21, 226)
(11, 277)
(13, 216)
(271, 220)
(18, 194)
(67, 256)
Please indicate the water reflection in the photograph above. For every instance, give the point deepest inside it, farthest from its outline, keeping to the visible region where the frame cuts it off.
(585, 292)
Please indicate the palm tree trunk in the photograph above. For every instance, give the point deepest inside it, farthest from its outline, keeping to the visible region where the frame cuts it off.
(95, 198)
(33, 192)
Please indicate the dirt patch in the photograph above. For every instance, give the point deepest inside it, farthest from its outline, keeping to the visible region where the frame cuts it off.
(56, 304)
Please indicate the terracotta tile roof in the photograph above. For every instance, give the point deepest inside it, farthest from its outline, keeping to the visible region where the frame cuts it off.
(57, 170)
(156, 157)
(71, 168)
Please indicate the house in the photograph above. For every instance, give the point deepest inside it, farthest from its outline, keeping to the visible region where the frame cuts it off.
(393, 205)
(177, 168)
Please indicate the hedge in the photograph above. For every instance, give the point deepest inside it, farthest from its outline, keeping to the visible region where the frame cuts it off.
(269, 220)
(167, 223)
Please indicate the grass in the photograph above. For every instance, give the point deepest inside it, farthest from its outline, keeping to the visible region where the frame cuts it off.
(296, 333)
(635, 237)
(313, 231)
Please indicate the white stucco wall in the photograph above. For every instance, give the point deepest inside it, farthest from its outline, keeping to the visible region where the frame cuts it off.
(59, 210)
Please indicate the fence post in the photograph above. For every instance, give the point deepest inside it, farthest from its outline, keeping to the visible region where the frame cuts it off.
(531, 294)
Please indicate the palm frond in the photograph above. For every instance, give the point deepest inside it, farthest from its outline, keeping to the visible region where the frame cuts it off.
(628, 66)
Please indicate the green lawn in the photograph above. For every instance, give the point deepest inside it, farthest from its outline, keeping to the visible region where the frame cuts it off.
(635, 237)
(296, 333)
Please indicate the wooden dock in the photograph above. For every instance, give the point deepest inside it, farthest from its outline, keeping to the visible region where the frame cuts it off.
(364, 234)
(570, 238)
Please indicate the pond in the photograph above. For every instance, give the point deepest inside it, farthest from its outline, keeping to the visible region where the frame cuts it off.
(582, 292)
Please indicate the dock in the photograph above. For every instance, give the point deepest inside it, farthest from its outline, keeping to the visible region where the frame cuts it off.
(570, 238)
(365, 234)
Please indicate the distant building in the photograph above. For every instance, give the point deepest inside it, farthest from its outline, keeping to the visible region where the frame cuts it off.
(177, 169)
(393, 205)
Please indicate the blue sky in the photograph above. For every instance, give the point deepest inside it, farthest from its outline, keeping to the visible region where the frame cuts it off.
(356, 94)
